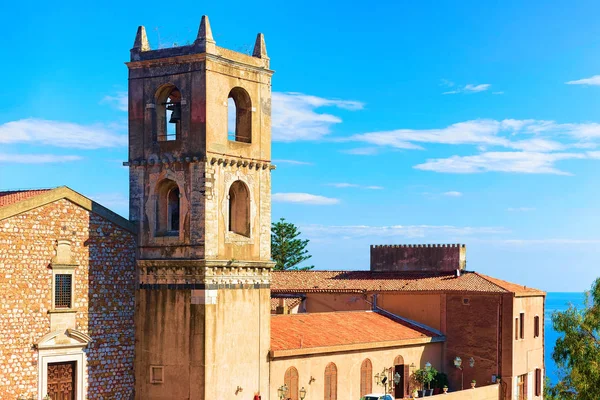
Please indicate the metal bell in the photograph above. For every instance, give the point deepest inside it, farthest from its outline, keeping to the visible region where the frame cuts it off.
(175, 109)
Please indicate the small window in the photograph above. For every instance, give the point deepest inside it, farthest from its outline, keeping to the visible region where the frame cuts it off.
(168, 209)
(516, 328)
(168, 113)
(536, 326)
(239, 209)
(466, 301)
(522, 387)
(239, 116)
(538, 382)
(522, 326)
(157, 374)
(63, 284)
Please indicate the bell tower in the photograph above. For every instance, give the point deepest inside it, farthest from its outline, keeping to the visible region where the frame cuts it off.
(200, 195)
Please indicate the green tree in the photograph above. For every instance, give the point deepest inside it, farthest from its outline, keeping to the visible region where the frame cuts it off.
(286, 249)
(577, 351)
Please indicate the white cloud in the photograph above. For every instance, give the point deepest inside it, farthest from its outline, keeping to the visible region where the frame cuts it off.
(453, 194)
(118, 101)
(520, 209)
(594, 80)
(353, 185)
(518, 162)
(406, 231)
(60, 134)
(292, 162)
(304, 198)
(36, 158)
(362, 151)
(295, 117)
(469, 88)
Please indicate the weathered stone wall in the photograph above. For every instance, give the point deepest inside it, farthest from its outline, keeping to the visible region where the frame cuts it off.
(419, 258)
(103, 296)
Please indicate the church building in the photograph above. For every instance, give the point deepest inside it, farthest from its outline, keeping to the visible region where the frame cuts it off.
(180, 301)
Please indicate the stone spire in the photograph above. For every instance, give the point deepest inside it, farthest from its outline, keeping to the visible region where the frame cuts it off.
(141, 40)
(204, 40)
(260, 48)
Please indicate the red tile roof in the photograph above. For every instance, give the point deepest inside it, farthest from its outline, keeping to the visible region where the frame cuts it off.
(367, 281)
(14, 196)
(320, 330)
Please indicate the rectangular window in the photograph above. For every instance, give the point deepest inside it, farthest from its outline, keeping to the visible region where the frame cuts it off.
(522, 387)
(522, 326)
(538, 382)
(62, 290)
(536, 326)
(516, 328)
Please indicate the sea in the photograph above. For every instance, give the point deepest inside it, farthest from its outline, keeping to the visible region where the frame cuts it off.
(556, 301)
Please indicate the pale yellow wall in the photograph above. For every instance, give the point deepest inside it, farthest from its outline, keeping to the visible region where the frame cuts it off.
(348, 368)
(528, 353)
(327, 302)
(491, 392)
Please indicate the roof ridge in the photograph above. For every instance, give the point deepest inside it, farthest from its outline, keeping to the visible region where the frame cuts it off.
(485, 277)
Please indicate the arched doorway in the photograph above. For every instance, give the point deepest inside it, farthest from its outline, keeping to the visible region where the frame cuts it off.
(401, 378)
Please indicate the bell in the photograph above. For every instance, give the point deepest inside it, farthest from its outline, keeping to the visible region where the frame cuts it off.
(175, 113)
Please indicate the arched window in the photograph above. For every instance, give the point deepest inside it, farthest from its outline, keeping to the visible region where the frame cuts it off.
(331, 382)
(366, 377)
(168, 113)
(239, 208)
(239, 116)
(168, 207)
(291, 381)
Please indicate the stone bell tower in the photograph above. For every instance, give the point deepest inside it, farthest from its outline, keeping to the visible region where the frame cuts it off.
(200, 195)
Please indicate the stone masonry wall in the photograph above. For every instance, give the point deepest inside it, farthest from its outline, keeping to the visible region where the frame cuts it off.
(103, 296)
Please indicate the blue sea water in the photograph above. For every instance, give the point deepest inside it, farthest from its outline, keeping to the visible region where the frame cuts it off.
(556, 301)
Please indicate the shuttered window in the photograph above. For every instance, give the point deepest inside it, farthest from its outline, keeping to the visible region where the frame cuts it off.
(291, 381)
(331, 382)
(366, 377)
(538, 382)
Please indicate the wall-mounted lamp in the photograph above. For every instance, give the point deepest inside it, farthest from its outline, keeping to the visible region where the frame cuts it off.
(282, 391)
(239, 389)
(311, 380)
(302, 393)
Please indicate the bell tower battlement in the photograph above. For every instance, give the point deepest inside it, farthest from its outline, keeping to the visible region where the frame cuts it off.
(200, 196)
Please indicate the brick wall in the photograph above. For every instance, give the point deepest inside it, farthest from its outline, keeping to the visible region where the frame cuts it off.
(418, 257)
(103, 296)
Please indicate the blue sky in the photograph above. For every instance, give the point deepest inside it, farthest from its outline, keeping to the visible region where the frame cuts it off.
(393, 122)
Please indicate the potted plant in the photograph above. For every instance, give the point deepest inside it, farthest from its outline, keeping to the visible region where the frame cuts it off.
(473, 382)
(425, 376)
(440, 380)
(445, 389)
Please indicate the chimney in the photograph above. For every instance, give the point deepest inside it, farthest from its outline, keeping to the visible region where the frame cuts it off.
(419, 258)
(282, 307)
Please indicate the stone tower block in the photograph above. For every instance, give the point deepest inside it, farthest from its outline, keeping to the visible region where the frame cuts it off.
(419, 258)
(200, 195)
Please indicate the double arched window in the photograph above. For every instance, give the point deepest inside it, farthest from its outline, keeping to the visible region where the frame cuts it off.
(168, 209)
(291, 381)
(168, 113)
(239, 116)
(239, 208)
(330, 382)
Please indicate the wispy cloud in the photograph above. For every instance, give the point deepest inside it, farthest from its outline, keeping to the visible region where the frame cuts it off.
(304, 198)
(592, 81)
(60, 134)
(520, 209)
(354, 185)
(405, 231)
(469, 88)
(295, 116)
(292, 162)
(362, 151)
(36, 158)
(453, 194)
(517, 162)
(118, 101)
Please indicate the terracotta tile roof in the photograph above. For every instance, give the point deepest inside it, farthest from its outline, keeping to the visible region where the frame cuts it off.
(367, 281)
(296, 331)
(290, 302)
(512, 287)
(14, 196)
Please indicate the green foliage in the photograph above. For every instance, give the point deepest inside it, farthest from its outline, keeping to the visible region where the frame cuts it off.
(577, 351)
(425, 376)
(286, 249)
(440, 380)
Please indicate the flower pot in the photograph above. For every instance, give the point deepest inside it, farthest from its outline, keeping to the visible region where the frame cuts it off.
(445, 390)
(472, 385)
(420, 393)
(429, 392)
